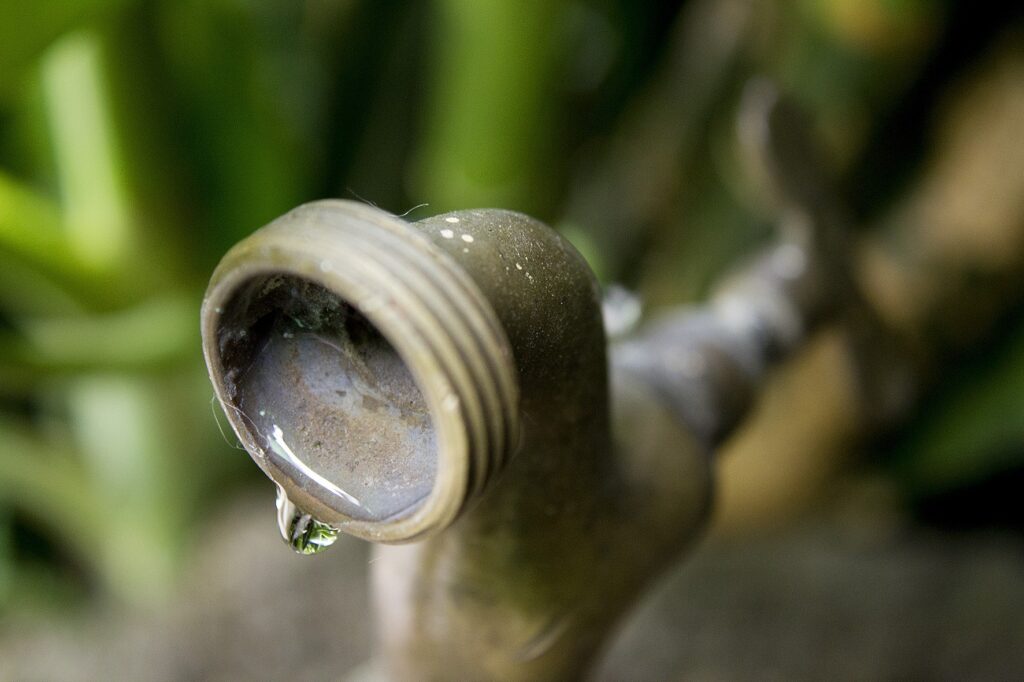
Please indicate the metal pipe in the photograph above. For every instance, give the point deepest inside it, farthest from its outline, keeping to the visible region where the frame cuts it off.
(445, 384)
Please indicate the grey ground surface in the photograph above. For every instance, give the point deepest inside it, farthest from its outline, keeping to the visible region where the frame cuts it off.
(818, 601)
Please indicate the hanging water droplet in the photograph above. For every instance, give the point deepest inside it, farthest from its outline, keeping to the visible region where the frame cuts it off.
(302, 532)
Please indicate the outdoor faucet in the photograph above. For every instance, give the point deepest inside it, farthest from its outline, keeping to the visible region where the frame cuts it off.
(445, 388)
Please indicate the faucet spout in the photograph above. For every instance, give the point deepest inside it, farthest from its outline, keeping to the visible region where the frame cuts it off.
(446, 389)
(443, 388)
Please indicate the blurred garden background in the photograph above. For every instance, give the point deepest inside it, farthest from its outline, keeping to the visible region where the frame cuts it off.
(869, 521)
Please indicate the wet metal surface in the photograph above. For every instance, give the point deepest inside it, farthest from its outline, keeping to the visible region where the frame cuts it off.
(328, 398)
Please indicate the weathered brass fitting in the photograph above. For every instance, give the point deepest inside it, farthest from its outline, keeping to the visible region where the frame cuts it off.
(446, 384)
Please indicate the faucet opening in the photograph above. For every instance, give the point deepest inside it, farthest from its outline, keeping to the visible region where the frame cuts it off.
(325, 396)
(363, 370)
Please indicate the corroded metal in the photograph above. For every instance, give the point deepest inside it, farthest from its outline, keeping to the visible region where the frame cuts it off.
(540, 527)
(445, 388)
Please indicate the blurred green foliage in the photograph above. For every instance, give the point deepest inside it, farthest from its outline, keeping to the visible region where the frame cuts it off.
(139, 139)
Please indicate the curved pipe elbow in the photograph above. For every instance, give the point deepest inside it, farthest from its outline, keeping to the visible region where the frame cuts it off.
(397, 380)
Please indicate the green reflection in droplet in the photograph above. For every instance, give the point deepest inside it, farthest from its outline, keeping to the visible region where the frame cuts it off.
(302, 532)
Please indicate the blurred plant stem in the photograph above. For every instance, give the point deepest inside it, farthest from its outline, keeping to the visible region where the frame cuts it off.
(648, 167)
(249, 84)
(93, 197)
(48, 484)
(121, 494)
(31, 27)
(31, 231)
(493, 105)
(153, 335)
(129, 441)
(89, 244)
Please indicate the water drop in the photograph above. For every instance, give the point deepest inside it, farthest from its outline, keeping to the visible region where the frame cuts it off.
(302, 532)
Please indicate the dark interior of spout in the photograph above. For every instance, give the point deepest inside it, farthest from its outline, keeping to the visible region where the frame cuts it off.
(325, 396)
